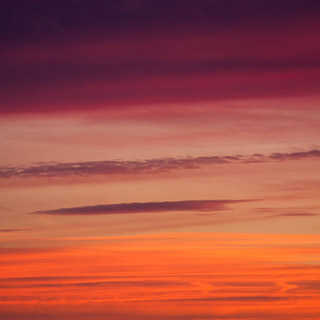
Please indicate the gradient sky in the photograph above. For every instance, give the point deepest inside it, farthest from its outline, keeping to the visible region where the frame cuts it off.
(160, 159)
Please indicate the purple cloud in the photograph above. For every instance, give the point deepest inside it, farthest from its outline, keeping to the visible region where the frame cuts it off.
(148, 166)
(145, 207)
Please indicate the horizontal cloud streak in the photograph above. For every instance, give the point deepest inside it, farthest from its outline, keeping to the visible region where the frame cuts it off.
(123, 283)
(15, 230)
(149, 166)
(299, 214)
(145, 207)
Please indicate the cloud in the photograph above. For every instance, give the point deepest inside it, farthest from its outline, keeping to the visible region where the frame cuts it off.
(238, 298)
(148, 166)
(287, 212)
(112, 284)
(294, 155)
(15, 230)
(299, 214)
(313, 285)
(146, 207)
(44, 279)
(107, 54)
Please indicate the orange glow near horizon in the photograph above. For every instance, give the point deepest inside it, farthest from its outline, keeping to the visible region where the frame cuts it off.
(173, 275)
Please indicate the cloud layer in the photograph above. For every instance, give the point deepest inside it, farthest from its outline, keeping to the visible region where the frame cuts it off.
(108, 54)
(8, 230)
(149, 166)
(145, 207)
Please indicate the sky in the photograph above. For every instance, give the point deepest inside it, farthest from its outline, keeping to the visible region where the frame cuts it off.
(159, 160)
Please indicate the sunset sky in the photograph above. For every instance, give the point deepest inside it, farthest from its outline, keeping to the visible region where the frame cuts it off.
(160, 159)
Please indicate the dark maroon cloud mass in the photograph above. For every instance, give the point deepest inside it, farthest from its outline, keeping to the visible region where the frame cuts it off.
(145, 207)
(77, 55)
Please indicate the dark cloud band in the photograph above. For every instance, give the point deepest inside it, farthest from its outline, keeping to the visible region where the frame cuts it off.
(149, 166)
(110, 54)
(146, 207)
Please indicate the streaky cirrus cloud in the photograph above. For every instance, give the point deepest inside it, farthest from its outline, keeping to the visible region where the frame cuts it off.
(141, 283)
(8, 230)
(289, 212)
(146, 207)
(300, 214)
(148, 166)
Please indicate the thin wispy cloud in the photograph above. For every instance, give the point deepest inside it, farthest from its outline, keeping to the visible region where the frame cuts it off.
(299, 214)
(146, 207)
(148, 166)
(8, 230)
(288, 212)
(112, 284)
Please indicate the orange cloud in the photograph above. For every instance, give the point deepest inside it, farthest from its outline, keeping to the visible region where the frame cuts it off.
(168, 276)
